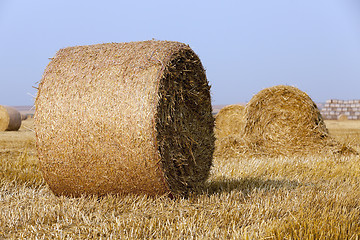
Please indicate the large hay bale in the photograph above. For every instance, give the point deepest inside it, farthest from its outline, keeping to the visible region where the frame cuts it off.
(229, 121)
(10, 119)
(125, 118)
(283, 120)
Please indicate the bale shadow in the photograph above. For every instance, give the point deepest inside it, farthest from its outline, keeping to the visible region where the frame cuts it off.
(246, 185)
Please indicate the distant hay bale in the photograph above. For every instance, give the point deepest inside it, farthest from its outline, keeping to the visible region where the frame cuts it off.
(229, 121)
(283, 120)
(231, 146)
(229, 125)
(10, 119)
(125, 118)
(24, 117)
(342, 117)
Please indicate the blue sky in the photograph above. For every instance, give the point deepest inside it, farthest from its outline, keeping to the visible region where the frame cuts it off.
(245, 46)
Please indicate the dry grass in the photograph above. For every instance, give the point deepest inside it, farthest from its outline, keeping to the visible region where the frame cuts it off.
(247, 198)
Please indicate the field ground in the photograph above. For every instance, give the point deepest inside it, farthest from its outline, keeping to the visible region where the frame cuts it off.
(283, 198)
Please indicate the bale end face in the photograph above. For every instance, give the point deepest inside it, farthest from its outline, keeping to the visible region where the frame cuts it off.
(284, 120)
(185, 124)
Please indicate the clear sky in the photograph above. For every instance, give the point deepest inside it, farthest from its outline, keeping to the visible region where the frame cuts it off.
(245, 45)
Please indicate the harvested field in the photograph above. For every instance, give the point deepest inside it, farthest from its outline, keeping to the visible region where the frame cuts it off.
(308, 197)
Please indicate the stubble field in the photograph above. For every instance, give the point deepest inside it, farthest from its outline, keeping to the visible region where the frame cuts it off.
(245, 198)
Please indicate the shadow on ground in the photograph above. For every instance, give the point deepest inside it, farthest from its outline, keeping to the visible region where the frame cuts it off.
(246, 185)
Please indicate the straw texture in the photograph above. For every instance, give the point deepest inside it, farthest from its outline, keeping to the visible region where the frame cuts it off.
(10, 119)
(125, 118)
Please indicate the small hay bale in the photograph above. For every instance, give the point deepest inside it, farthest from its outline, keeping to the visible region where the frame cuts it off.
(229, 121)
(229, 125)
(342, 117)
(10, 119)
(232, 146)
(283, 120)
(125, 118)
(24, 117)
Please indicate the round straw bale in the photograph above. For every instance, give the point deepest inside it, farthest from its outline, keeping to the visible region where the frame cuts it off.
(283, 120)
(342, 117)
(24, 117)
(229, 121)
(10, 119)
(125, 118)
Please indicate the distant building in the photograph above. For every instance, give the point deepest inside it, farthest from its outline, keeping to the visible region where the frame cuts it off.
(341, 109)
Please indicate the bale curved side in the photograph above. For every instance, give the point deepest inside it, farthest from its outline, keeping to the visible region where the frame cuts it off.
(10, 119)
(124, 118)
